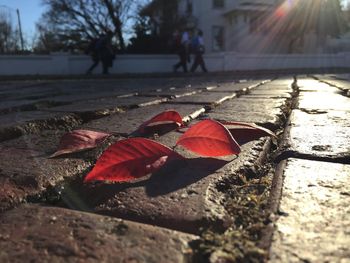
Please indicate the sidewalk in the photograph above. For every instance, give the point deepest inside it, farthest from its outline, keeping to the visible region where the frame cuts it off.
(203, 210)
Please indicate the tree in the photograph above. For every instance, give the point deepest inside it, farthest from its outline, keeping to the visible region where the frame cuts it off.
(9, 42)
(48, 39)
(154, 27)
(293, 20)
(76, 22)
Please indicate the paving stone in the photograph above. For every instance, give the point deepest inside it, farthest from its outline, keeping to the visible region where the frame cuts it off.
(26, 170)
(26, 94)
(84, 95)
(269, 113)
(49, 96)
(320, 118)
(12, 85)
(268, 120)
(170, 93)
(69, 91)
(44, 234)
(323, 101)
(341, 84)
(309, 85)
(182, 196)
(17, 118)
(108, 104)
(229, 87)
(13, 125)
(318, 133)
(315, 225)
(17, 105)
(251, 103)
(205, 98)
(275, 88)
(281, 82)
(320, 127)
(126, 123)
(270, 93)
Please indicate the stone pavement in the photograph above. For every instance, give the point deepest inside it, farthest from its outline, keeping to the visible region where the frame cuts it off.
(283, 200)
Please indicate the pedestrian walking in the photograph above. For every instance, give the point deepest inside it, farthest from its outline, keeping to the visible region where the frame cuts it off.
(105, 51)
(183, 49)
(92, 51)
(198, 50)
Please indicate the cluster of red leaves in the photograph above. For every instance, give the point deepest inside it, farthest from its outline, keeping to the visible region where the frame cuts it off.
(133, 158)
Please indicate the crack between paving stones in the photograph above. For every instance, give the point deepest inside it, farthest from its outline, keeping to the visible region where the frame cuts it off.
(266, 168)
(277, 180)
(280, 159)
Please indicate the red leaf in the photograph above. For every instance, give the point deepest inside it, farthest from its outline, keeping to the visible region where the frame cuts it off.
(129, 159)
(250, 125)
(165, 117)
(209, 138)
(79, 140)
(245, 132)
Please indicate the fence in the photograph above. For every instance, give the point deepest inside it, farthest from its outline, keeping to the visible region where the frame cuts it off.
(63, 63)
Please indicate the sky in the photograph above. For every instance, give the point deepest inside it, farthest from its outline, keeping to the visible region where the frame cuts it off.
(30, 12)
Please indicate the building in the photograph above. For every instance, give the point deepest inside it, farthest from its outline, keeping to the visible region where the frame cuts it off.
(226, 24)
(247, 26)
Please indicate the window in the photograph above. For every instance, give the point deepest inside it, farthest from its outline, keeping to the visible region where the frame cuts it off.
(218, 3)
(218, 38)
(189, 8)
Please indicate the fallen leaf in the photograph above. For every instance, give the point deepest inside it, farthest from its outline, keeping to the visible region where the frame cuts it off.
(79, 140)
(163, 118)
(130, 159)
(209, 138)
(245, 132)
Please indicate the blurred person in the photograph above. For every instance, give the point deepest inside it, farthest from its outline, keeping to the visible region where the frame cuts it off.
(92, 51)
(105, 51)
(198, 49)
(183, 50)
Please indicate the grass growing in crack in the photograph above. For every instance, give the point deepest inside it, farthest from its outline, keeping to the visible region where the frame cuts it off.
(247, 200)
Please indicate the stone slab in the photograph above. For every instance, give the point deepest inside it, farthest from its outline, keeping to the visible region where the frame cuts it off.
(170, 93)
(271, 120)
(17, 118)
(252, 103)
(70, 90)
(323, 101)
(271, 93)
(274, 88)
(129, 121)
(320, 118)
(26, 170)
(84, 95)
(28, 94)
(281, 82)
(15, 124)
(309, 85)
(322, 134)
(183, 196)
(18, 105)
(108, 104)
(235, 87)
(44, 234)
(341, 84)
(205, 98)
(269, 113)
(315, 225)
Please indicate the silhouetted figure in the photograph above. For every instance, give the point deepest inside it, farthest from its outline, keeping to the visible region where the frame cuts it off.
(91, 50)
(183, 51)
(105, 51)
(198, 50)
